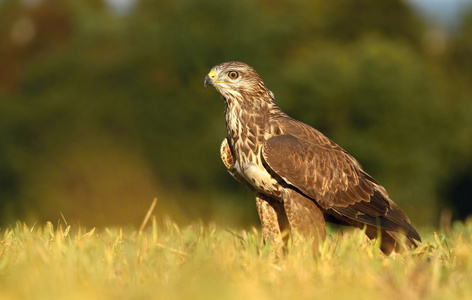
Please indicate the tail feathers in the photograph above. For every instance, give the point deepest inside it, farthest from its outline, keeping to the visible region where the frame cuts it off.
(380, 213)
(393, 235)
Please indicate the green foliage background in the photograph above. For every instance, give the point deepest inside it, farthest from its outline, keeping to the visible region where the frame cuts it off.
(101, 110)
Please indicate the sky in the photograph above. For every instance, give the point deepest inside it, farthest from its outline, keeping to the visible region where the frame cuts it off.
(444, 13)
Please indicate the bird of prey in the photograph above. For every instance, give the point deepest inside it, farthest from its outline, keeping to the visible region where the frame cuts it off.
(300, 178)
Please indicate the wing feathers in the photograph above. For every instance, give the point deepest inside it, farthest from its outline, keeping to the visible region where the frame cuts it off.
(334, 180)
(314, 170)
(379, 212)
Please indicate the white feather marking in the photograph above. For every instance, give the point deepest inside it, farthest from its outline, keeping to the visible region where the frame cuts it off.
(259, 177)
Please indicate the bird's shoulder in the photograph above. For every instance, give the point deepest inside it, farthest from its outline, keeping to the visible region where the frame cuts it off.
(285, 125)
(308, 160)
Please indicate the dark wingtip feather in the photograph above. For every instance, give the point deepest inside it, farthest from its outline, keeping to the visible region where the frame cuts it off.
(381, 213)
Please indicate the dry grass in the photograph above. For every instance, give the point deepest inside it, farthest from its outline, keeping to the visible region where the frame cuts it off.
(199, 261)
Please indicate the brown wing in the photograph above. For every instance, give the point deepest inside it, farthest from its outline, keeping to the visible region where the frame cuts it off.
(320, 169)
(324, 174)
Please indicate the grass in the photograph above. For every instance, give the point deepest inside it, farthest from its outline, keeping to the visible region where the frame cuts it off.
(165, 261)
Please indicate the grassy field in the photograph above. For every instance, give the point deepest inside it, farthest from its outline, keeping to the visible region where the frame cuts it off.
(199, 261)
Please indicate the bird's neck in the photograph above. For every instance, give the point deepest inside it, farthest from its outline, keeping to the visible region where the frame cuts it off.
(247, 119)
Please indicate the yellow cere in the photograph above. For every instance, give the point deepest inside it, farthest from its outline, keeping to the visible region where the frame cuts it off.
(212, 75)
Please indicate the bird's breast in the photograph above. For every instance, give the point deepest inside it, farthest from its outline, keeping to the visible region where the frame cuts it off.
(249, 165)
(246, 134)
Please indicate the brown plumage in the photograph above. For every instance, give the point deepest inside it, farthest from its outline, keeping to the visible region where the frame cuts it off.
(299, 176)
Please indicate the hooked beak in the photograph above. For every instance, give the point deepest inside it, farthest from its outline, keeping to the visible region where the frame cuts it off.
(209, 79)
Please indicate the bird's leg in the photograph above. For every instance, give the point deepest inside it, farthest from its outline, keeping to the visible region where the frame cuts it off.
(304, 217)
(274, 222)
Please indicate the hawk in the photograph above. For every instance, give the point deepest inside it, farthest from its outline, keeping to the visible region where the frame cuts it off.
(300, 178)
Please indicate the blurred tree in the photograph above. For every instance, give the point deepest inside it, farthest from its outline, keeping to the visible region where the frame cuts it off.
(456, 189)
(28, 29)
(102, 111)
(349, 20)
(461, 47)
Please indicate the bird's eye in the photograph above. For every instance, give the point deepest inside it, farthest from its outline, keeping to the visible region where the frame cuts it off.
(233, 75)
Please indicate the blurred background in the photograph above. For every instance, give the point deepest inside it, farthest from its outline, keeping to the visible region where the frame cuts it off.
(102, 106)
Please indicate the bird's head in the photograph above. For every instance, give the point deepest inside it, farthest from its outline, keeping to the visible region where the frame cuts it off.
(234, 79)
